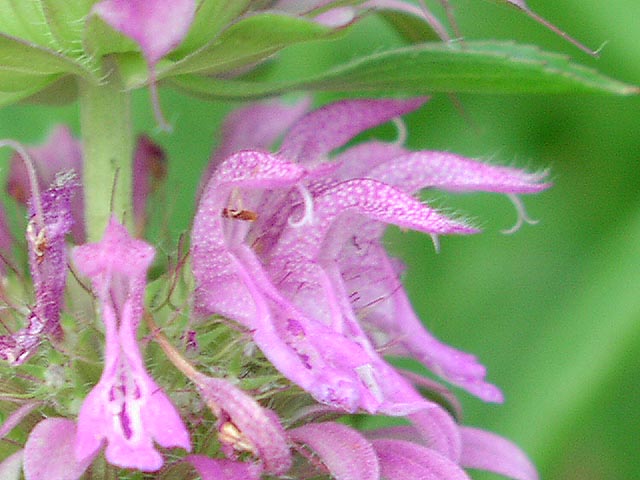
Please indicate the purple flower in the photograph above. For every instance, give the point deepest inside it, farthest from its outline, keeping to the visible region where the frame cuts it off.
(61, 152)
(289, 245)
(126, 408)
(50, 221)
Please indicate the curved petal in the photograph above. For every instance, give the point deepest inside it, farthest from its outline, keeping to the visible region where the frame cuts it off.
(401, 460)
(488, 451)
(429, 169)
(219, 289)
(439, 431)
(48, 268)
(218, 469)
(11, 467)
(16, 417)
(367, 197)
(256, 126)
(48, 452)
(244, 425)
(158, 26)
(333, 125)
(347, 454)
(381, 302)
(59, 153)
(361, 159)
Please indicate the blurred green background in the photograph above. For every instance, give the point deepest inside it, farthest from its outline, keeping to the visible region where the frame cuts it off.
(553, 310)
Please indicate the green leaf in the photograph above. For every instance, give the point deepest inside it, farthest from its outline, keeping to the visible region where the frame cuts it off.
(24, 19)
(248, 41)
(35, 84)
(410, 27)
(66, 21)
(476, 67)
(22, 57)
(211, 17)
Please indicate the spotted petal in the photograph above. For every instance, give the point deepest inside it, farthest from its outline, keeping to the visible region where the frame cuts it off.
(333, 125)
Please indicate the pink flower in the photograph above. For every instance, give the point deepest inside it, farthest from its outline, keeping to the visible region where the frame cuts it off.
(289, 245)
(126, 408)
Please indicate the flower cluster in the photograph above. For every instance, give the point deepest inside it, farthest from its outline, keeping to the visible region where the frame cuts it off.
(247, 353)
(287, 247)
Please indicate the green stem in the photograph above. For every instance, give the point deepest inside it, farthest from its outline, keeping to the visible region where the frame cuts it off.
(107, 138)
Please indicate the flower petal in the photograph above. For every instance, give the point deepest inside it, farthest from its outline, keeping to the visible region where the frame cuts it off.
(346, 453)
(149, 168)
(439, 431)
(429, 169)
(246, 426)
(382, 304)
(48, 452)
(367, 197)
(126, 407)
(219, 290)
(257, 126)
(217, 469)
(401, 460)
(60, 153)
(158, 26)
(11, 467)
(331, 126)
(488, 451)
(14, 419)
(48, 268)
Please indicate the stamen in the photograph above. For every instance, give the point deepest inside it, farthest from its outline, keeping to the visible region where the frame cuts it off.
(307, 217)
(33, 179)
(402, 131)
(522, 215)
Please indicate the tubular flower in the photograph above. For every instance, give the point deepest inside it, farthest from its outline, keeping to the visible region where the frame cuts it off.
(48, 266)
(126, 408)
(289, 245)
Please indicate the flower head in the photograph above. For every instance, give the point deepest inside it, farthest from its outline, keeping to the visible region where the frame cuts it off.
(290, 246)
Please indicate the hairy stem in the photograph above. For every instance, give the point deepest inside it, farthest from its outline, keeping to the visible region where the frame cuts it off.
(107, 136)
